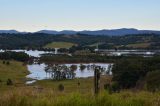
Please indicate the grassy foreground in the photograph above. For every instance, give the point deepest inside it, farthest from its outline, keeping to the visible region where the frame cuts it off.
(46, 92)
(60, 45)
(16, 71)
(33, 97)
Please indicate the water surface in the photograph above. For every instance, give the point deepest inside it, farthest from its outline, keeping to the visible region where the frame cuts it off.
(38, 70)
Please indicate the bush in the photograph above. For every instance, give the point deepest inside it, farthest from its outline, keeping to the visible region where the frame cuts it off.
(4, 62)
(9, 82)
(112, 88)
(8, 63)
(61, 87)
(128, 72)
(153, 81)
(19, 56)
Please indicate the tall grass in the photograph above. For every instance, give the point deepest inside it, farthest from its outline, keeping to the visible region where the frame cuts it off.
(30, 97)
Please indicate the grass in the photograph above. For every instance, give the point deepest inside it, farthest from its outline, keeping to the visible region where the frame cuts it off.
(46, 92)
(139, 45)
(95, 44)
(15, 71)
(86, 85)
(60, 45)
(34, 97)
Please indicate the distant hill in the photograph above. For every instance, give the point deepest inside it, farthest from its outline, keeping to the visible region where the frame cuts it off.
(119, 32)
(112, 32)
(67, 32)
(39, 40)
(9, 31)
(12, 32)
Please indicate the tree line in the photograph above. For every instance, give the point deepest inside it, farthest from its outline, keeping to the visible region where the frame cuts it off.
(39, 40)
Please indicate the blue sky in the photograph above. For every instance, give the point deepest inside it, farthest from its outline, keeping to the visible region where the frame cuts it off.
(33, 15)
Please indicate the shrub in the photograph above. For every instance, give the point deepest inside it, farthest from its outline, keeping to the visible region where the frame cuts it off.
(4, 62)
(114, 87)
(128, 72)
(9, 82)
(61, 87)
(8, 63)
(153, 81)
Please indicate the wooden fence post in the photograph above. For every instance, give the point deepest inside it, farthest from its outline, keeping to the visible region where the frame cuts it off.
(96, 80)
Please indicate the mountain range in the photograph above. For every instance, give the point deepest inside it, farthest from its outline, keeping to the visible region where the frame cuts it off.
(112, 32)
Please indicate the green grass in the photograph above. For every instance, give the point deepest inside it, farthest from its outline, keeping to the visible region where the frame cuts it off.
(46, 92)
(34, 97)
(95, 44)
(86, 85)
(139, 45)
(15, 71)
(60, 45)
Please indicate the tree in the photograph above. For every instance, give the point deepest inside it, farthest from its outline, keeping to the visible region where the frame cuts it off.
(153, 81)
(73, 67)
(127, 72)
(82, 67)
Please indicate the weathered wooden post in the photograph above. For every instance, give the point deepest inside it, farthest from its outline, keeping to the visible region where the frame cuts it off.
(96, 80)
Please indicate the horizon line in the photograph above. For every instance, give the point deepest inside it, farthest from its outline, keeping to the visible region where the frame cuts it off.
(78, 30)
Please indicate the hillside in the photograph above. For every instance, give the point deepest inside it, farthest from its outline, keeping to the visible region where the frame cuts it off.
(106, 32)
(59, 45)
(39, 40)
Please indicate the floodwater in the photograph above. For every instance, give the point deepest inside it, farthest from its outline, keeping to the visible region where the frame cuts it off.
(37, 71)
(34, 53)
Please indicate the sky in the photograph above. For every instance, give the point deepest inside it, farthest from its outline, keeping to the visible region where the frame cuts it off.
(34, 15)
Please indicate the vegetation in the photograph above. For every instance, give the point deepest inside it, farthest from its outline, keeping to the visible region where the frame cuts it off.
(32, 97)
(138, 45)
(12, 74)
(117, 90)
(153, 81)
(84, 58)
(39, 40)
(59, 72)
(19, 56)
(128, 72)
(60, 45)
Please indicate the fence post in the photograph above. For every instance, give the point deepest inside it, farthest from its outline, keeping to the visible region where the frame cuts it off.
(96, 80)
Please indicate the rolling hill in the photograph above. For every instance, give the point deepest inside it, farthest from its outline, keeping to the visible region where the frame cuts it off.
(112, 32)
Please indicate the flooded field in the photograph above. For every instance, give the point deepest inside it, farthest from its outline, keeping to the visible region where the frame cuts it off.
(69, 71)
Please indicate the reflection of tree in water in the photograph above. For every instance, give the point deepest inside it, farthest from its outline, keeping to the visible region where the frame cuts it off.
(59, 72)
(109, 69)
(82, 67)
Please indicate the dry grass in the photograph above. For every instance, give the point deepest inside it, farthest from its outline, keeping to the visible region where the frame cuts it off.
(30, 96)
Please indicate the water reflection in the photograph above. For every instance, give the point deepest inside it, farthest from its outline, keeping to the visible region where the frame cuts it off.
(66, 71)
(59, 72)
